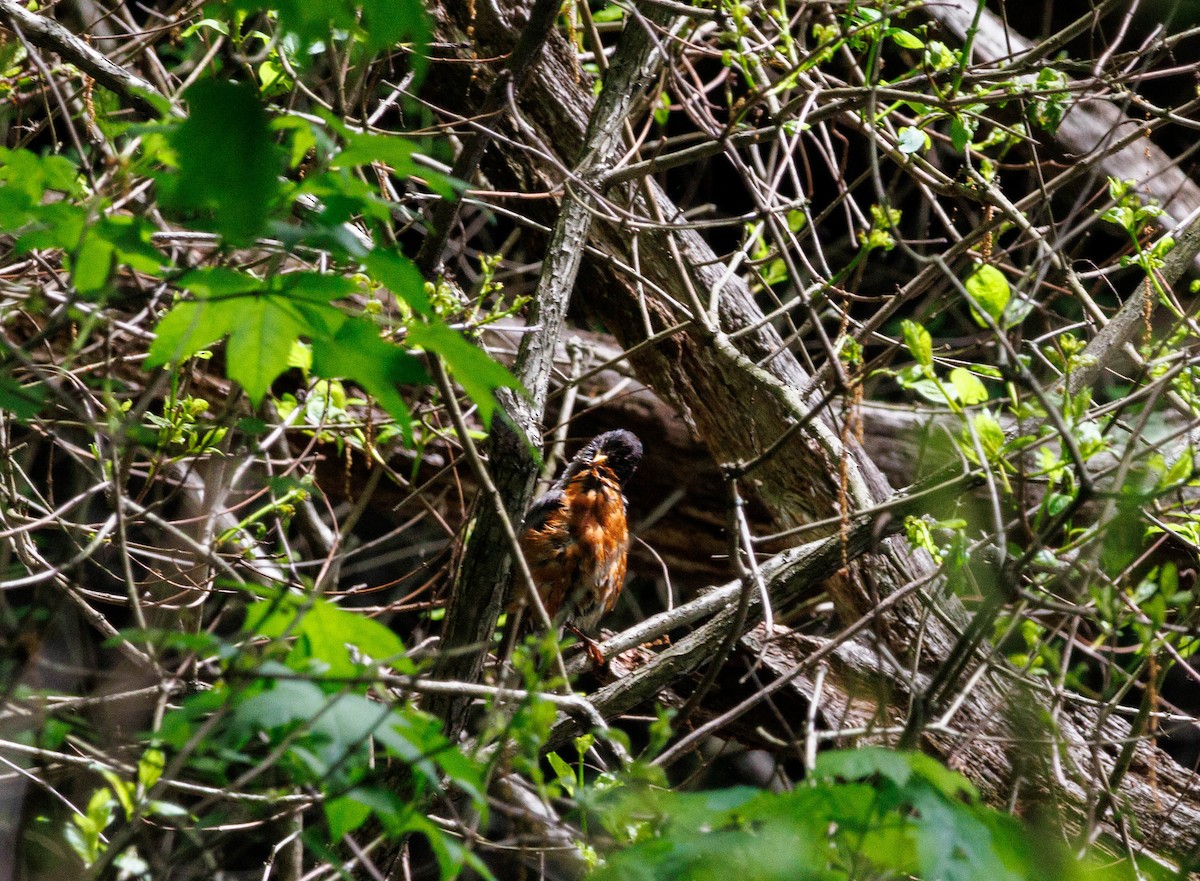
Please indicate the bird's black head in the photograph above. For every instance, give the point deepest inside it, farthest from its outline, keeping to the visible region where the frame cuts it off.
(620, 450)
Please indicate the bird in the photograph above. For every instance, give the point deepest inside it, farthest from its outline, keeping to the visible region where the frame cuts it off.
(575, 538)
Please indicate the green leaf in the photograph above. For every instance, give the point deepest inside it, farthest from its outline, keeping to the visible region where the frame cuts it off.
(384, 24)
(475, 371)
(131, 239)
(285, 703)
(919, 343)
(188, 328)
(150, 767)
(904, 39)
(57, 225)
(261, 329)
(989, 432)
(326, 631)
(387, 23)
(611, 12)
(949, 783)
(1180, 471)
(564, 772)
(961, 132)
(93, 265)
(401, 276)
(32, 175)
(264, 327)
(970, 389)
(396, 152)
(260, 341)
(217, 281)
(990, 290)
(219, 26)
(356, 351)
(345, 814)
(23, 401)
(229, 165)
(861, 764)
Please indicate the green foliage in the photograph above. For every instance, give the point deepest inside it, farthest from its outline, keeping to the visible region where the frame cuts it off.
(84, 832)
(264, 318)
(990, 293)
(865, 813)
(307, 701)
(1050, 96)
(226, 166)
(376, 24)
(222, 168)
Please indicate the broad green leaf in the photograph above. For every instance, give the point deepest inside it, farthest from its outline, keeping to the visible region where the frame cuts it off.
(949, 783)
(15, 209)
(131, 240)
(327, 631)
(93, 264)
(264, 328)
(990, 290)
(954, 844)
(989, 432)
(401, 276)
(961, 132)
(57, 225)
(357, 352)
(286, 702)
(229, 165)
(216, 25)
(384, 24)
(919, 343)
(32, 175)
(970, 389)
(564, 772)
(387, 23)
(396, 152)
(1180, 471)
(611, 12)
(150, 767)
(363, 149)
(218, 280)
(260, 341)
(345, 814)
(318, 287)
(476, 372)
(860, 764)
(22, 400)
(904, 39)
(188, 328)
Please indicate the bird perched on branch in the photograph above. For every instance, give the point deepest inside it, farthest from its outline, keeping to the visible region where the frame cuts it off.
(575, 538)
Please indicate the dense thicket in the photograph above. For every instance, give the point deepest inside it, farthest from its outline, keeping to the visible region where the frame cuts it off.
(300, 301)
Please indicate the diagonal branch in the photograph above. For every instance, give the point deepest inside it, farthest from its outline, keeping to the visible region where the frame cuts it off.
(45, 33)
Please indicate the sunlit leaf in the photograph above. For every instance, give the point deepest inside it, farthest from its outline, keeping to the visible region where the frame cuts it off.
(920, 344)
(990, 290)
(970, 389)
(476, 372)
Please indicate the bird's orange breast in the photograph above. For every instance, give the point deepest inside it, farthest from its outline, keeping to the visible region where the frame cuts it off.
(578, 555)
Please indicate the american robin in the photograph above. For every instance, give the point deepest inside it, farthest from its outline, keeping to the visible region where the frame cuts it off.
(575, 538)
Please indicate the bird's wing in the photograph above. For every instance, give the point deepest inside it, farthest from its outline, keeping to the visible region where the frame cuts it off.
(539, 512)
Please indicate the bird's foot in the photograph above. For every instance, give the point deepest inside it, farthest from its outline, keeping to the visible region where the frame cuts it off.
(590, 645)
